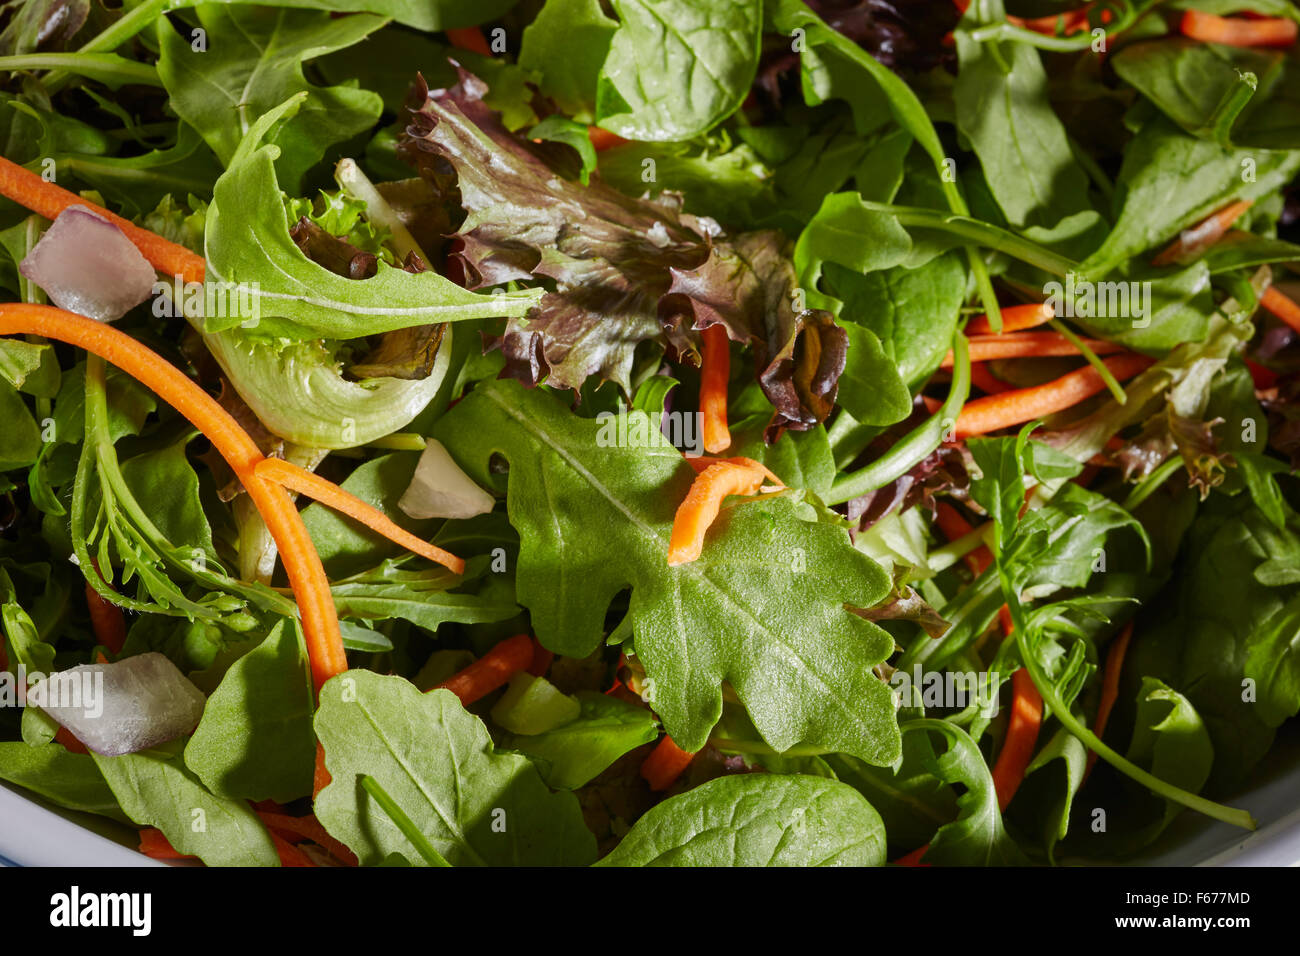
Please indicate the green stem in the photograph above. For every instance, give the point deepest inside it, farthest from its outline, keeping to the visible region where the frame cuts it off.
(106, 68)
(400, 441)
(940, 559)
(117, 33)
(761, 749)
(1147, 486)
(1112, 384)
(913, 448)
(1234, 100)
(403, 822)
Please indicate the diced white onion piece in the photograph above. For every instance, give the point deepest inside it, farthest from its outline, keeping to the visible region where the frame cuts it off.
(439, 489)
(87, 265)
(121, 708)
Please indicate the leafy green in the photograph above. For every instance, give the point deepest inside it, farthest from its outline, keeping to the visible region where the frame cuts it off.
(757, 820)
(568, 757)
(436, 761)
(566, 45)
(746, 619)
(71, 781)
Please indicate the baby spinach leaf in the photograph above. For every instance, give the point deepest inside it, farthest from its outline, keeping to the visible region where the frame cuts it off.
(870, 388)
(675, 68)
(594, 519)
(570, 756)
(437, 762)
(20, 438)
(846, 232)
(757, 820)
(1170, 739)
(566, 45)
(71, 781)
(252, 60)
(156, 790)
(255, 741)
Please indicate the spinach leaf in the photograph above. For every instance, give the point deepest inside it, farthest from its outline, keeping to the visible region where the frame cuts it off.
(595, 519)
(1171, 740)
(71, 781)
(757, 820)
(255, 741)
(870, 387)
(251, 61)
(566, 45)
(570, 756)
(846, 232)
(675, 68)
(436, 761)
(20, 438)
(156, 790)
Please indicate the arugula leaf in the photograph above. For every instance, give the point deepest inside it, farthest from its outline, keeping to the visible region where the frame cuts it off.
(252, 61)
(255, 740)
(156, 790)
(247, 242)
(1170, 739)
(757, 820)
(424, 597)
(437, 762)
(570, 756)
(675, 68)
(1073, 757)
(736, 614)
(71, 781)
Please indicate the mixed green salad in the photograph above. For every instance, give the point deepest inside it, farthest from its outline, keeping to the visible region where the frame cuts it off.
(631, 432)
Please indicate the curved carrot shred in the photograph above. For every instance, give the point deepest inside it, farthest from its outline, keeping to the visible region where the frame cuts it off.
(469, 38)
(986, 381)
(1015, 318)
(1022, 735)
(714, 373)
(492, 670)
(701, 462)
(297, 829)
(1281, 306)
(30, 190)
(665, 764)
(913, 858)
(1236, 31)
(1008, 345)
(603, 139)
(702, 504)
(306, 575)
(304, 482)
(542, 659)
(1110, 685)
(993, 412)
(1207, 232)
(953, 526)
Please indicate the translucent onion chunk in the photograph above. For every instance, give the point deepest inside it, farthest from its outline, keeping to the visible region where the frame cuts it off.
(121, 708)
(439, 489)
(87, 265)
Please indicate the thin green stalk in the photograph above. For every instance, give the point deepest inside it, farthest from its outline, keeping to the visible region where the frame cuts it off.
(403, 822)
(921, 442)
(940, 559)
(105, 67)
(117, 33)
(1234, 100)
(400, 441)
(1112, 383)
(1148, 485)
(758, 747)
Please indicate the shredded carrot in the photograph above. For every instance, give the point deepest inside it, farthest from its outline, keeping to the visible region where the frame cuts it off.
(953, 526)
(1263, 376)
(1015, 318)
(281, 472)
(988, 383)
(1022, 734)
(469, 38)
(1235, 31)
(702, 504)
(665, 764)
(1281, 306)
(603, 139)
(30, 190)
(714, 373)
(301, 562)
(492, 670)
(320, 778)
(70, 743)
(701, 462)
(154, 844)
(913, 858)
(1193, 241)
(1110, 685)
(297, 829)
(987, 348)
(290, 855)
(106, 620)
(992, 412)
(542, 659)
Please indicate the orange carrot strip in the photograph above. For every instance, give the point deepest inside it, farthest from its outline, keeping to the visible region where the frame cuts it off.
(665, 764)
(154, 844)
(986, 381)
(1233, 31)
(953, 526)
(1263, 376)
(1015, 318)
(70, 743)
(298, 479)
(714, 373)
(541, 659)
(289, 854)
(702, 504)
(700, 462)
(306, 575)
(986, 348)
(988, 414)
(469, 38)
(297, 829)
(1207, 232)
(603, 139)
(106, 620)
(320, 778)
(492, 670)
(1110, 685)
(913, 858)
(1022, 735)
(1281, 306)
(30, 190)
